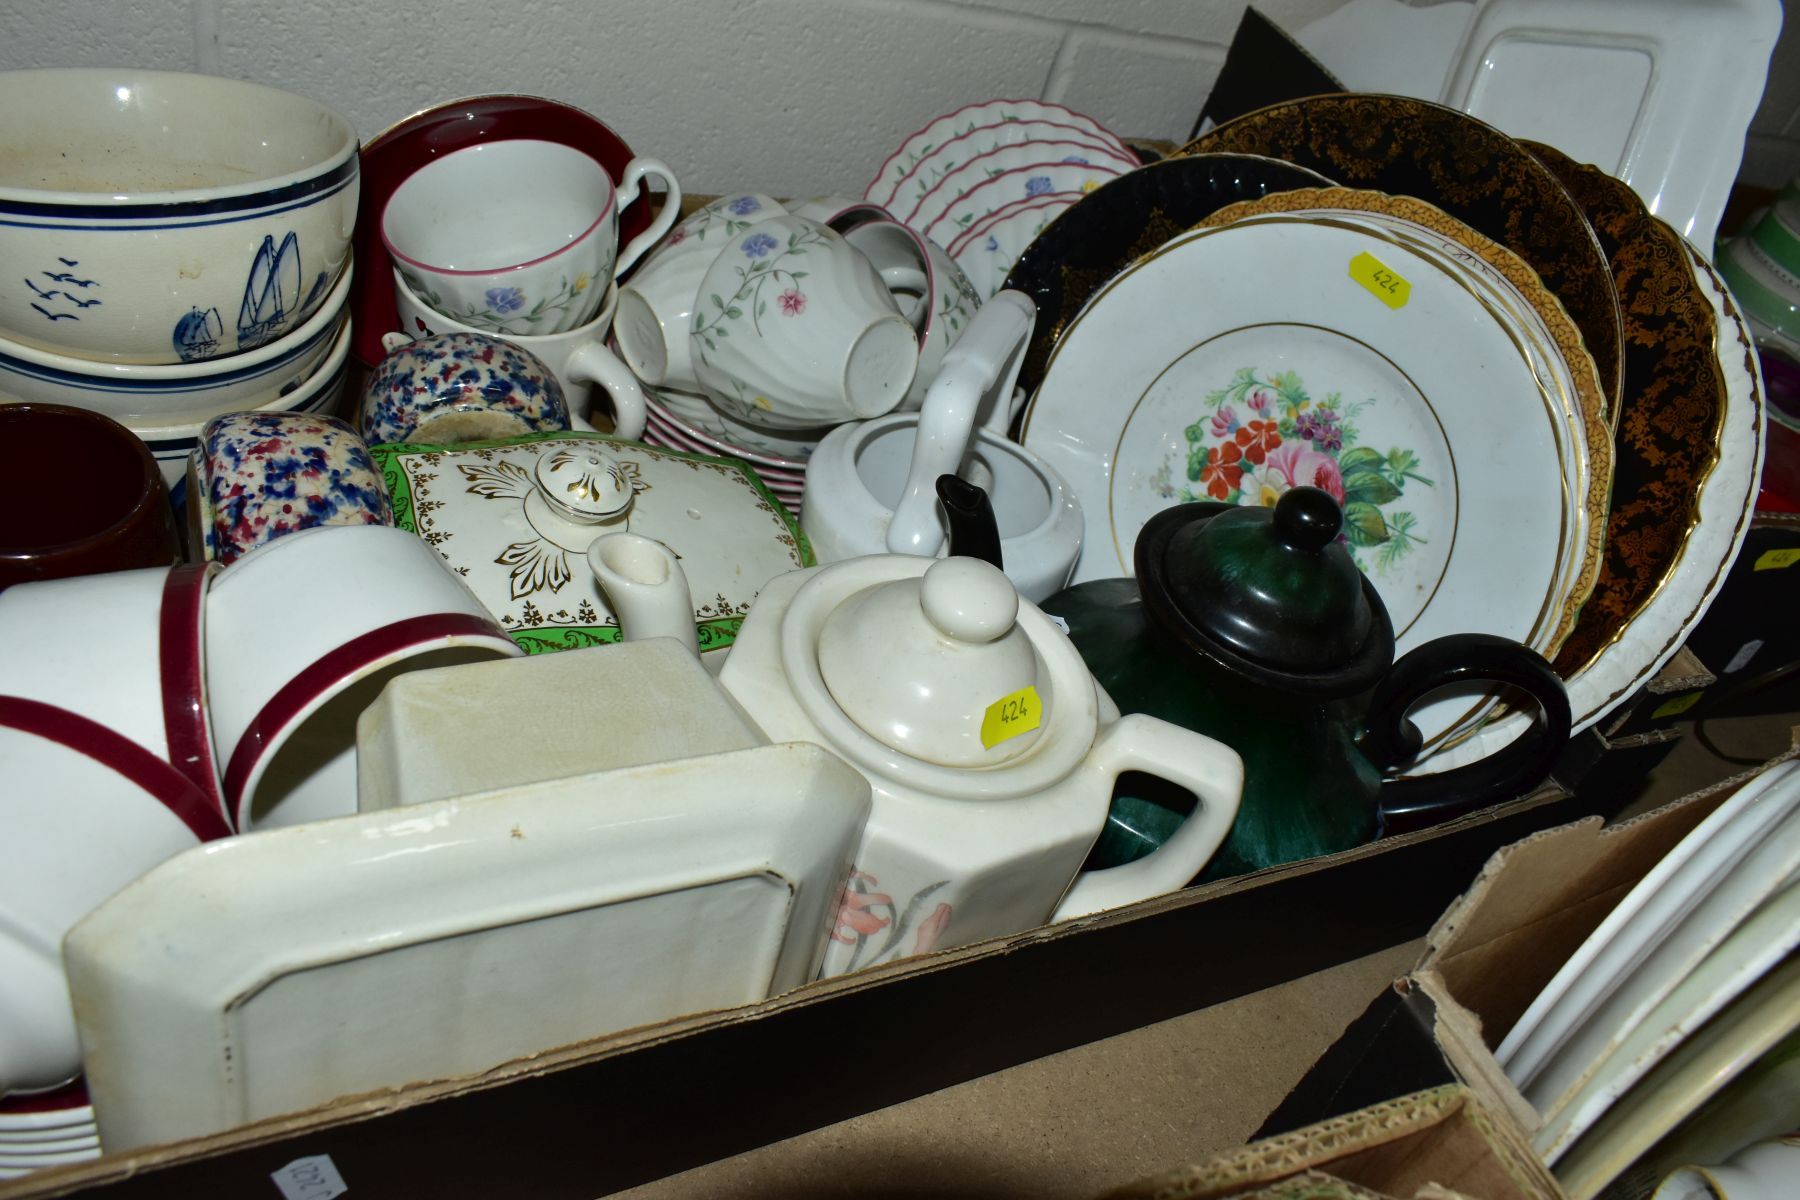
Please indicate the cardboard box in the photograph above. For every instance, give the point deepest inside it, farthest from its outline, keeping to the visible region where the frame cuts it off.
(624, 1110)
(1442, 1142)
(1207, 971)
(1485, 960)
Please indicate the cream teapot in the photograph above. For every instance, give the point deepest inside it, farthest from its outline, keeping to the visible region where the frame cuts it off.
(990, 750)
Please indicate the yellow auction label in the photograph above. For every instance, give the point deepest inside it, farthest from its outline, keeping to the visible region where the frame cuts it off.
(1382, 281)
(1775, 560)
(1677, 706)
(1011, 715)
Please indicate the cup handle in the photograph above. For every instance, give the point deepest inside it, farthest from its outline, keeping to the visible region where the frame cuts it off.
(1208, 768)
(1390, 739)
(391, 342)
(635, 170)
(594, 363)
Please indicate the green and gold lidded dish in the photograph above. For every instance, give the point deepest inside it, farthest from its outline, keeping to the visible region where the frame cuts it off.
(1254, 626)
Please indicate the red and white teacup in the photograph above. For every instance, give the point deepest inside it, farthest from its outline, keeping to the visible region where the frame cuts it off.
(302, 634)
(108, 771)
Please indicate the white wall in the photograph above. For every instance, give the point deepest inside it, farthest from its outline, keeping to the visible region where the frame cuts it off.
(789, 97)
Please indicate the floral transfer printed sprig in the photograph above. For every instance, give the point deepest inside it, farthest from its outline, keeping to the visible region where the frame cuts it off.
(508, 304)
(1263, 436)
(765, 255)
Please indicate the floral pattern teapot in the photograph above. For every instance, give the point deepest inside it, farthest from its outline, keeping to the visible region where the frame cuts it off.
(990, 751)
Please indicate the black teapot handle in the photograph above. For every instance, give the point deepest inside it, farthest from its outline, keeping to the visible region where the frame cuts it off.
(974, 531)
(1390, 739)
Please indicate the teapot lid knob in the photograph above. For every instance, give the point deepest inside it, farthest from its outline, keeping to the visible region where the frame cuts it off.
(1269, 594)
(582, 483)
(968, 600)
(1307, 519)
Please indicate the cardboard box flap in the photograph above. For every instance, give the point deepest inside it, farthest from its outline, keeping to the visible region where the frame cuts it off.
(1536, 901)
(1315, 1185)
(1442, 1141)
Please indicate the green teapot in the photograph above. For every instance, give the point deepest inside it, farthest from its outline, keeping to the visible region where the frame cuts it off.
(1254, 626)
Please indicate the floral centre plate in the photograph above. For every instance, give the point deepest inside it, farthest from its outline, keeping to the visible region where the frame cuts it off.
(1424, 419)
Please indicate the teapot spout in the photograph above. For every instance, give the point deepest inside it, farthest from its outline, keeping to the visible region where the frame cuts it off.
(646, 587)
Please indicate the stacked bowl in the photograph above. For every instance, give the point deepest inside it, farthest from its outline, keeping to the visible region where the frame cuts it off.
(177, 246)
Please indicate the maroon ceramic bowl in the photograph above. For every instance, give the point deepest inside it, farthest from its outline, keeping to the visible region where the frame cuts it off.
(79, 494)
(400, 150)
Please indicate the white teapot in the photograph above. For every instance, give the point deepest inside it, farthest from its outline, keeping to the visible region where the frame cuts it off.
(990, 750)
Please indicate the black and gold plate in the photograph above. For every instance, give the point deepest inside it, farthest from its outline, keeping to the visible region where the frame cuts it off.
(1666, 441)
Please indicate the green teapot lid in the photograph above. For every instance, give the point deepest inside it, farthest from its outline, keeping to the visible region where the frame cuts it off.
(1269, 593)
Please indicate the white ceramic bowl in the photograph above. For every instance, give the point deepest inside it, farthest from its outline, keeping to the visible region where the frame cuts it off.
(136, 394)
(160, 217)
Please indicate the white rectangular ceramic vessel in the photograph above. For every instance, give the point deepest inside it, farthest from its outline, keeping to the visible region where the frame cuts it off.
(265, 974)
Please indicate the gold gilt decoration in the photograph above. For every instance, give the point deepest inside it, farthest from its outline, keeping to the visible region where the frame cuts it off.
(623, 476)
(1472, 171)
(1667, 438)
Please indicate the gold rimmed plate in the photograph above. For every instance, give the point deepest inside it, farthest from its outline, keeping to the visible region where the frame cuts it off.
(1666, 442)
(1725, 503)
(1480, 176)
(1520, 298)
(1421, 414)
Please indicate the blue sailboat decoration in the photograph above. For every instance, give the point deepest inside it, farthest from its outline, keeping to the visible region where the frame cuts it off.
(197, 335)
(271, 293)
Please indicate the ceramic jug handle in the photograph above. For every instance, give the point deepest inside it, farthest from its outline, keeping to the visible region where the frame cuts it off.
(1209, 769)
(1391, 740)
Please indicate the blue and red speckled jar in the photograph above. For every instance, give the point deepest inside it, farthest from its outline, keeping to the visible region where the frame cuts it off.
(258, 475)
(460, 387)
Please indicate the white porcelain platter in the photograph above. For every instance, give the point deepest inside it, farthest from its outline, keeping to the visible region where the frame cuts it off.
(446, 938)
(1671, 889)
(1661, 627)
(1425, 418)
(1656, 92)
(931, 137)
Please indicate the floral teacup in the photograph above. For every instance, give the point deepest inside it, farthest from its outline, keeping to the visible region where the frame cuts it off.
(794, 328)
(518, 236)
(460, 387)
(657, 306)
